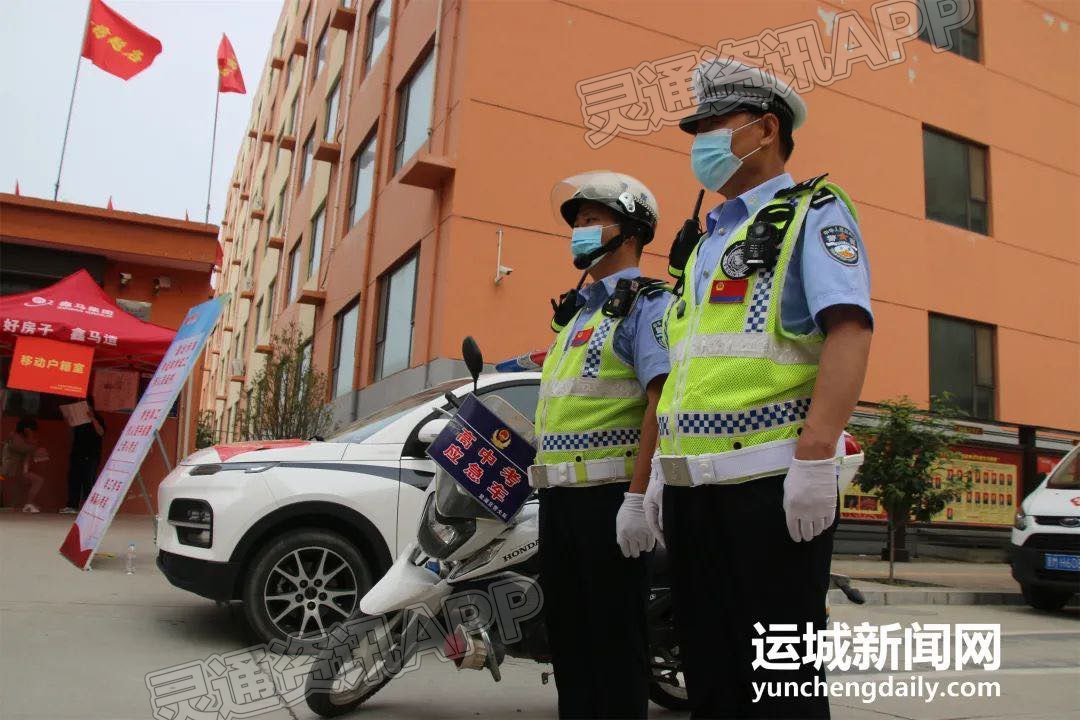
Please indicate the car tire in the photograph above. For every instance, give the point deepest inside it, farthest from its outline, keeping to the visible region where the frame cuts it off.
(1042, 598)
(301, 584)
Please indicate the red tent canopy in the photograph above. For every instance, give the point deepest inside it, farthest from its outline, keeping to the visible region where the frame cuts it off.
(76, 310)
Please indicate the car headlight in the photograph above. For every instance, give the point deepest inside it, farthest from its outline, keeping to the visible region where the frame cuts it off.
(193, 520)
(1020, 522)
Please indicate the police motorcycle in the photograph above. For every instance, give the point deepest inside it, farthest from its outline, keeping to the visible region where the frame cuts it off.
(466, 589)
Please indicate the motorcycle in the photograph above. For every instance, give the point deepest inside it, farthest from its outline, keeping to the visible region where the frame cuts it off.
(464, 558)
(466, 589)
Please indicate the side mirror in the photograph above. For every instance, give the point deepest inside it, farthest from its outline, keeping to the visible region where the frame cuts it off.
(431, 429)
(474, 359)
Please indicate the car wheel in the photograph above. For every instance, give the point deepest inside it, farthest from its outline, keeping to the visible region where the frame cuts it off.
(1042, 598)
(303, 583)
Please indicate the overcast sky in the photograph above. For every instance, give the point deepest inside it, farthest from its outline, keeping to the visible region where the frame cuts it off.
(146, 141)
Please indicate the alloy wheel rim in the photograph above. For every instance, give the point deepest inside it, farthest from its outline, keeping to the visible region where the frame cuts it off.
(308, 590)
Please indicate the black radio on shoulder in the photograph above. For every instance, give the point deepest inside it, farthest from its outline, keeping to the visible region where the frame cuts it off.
(762, 246)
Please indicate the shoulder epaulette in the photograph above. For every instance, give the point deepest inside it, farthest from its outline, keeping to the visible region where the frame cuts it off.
(822, 197)
(803, 187)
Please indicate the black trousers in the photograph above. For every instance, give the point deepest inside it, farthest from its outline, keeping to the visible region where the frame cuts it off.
(733, 564)
(594, 603)
(82, 472)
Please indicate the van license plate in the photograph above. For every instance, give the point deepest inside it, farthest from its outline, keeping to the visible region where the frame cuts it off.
(1063, 562)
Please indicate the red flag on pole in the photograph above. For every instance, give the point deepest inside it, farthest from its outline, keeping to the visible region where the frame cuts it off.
(115, 45)
(109, 206)
(17, 188)
(229, 77)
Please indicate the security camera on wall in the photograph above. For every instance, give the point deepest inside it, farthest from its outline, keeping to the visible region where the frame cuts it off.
(162, 282)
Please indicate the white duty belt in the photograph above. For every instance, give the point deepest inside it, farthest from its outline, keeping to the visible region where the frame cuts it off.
(734, 467)
(568, 474)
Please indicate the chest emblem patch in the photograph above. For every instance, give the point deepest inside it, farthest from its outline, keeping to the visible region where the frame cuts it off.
(581, 337)
(733, 264)
(841, 244)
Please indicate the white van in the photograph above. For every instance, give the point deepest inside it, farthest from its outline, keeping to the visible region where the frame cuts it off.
(1046, 538)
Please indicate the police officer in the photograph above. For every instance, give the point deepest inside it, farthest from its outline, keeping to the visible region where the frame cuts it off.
(600, 384)
(769, 335)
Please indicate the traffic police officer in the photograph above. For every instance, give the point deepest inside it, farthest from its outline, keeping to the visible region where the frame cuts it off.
(600, 384)
(769, 336)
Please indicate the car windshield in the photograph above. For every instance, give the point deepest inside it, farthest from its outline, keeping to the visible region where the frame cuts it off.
(363, 429)
(1066, 475)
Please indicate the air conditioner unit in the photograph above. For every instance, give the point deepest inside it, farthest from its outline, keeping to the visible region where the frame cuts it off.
(257, 203)
(238, 366)
(249, 284)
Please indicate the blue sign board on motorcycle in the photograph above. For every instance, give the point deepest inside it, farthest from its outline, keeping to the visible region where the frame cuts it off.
(485, 457)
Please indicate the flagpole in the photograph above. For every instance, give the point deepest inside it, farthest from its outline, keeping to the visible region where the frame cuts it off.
(213, 144)
(71, 102)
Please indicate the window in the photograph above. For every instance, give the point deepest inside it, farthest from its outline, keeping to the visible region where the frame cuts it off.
(306, 27)
(378, 30)
(294, 273)
(363, 178)
(963, 41)
(393, 341)
(290, 125)
(271, 224)
(962, 364)
(320, 55)
(955, 176)
(331, 113)
(309, 155)
(305, 357)
(345, 326)
(271, 298)
(318, 224)
(258, 319)
(414, 112)
(281, 207)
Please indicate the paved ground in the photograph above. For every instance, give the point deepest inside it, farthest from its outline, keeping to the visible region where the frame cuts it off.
(80, 645)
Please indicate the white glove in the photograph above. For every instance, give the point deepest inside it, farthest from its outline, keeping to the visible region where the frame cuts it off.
(810, 498)
(654, 501)
(631, 532)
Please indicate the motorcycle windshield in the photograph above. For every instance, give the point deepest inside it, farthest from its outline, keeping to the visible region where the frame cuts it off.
(453, 501)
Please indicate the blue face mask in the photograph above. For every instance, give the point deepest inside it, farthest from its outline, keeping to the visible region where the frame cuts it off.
(584, 240)
(711, 157)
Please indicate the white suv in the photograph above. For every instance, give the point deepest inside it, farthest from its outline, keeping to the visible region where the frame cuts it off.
(1046, 538)
(299, 531)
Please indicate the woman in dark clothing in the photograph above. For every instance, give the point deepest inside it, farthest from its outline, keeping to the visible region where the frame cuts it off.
(85, 458)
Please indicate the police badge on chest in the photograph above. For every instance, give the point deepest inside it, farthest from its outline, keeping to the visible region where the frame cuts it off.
(733, 263)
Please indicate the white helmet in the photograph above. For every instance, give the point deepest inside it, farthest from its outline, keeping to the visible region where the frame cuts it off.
(623, 194)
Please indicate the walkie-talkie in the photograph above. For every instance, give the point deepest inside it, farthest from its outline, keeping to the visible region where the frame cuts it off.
(685, 242)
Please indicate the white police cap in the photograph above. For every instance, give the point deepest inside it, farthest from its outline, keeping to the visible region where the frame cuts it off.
(724, 85)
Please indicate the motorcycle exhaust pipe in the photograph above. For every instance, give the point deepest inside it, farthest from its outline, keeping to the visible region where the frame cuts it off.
(471, 649)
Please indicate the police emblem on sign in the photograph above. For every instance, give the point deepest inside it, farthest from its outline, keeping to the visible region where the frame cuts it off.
(658, 332)
(841, 244)
(733, 264)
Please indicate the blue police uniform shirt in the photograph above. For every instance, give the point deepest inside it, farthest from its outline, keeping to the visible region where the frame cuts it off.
(816, 278)
(637, 338)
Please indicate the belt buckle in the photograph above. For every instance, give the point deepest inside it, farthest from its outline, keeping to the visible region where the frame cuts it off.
(676, 471)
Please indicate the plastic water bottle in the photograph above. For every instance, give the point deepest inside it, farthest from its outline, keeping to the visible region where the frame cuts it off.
(131, 559)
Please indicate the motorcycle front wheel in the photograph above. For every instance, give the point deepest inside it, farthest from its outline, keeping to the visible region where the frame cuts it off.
(668, 687)
(353, 679)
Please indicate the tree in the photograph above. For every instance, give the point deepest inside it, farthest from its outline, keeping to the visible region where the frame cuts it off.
(287, 398)
(902, 452)
(204, 430)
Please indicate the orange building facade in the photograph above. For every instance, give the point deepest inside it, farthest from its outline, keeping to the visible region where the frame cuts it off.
(401, 151)
(154, 267)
